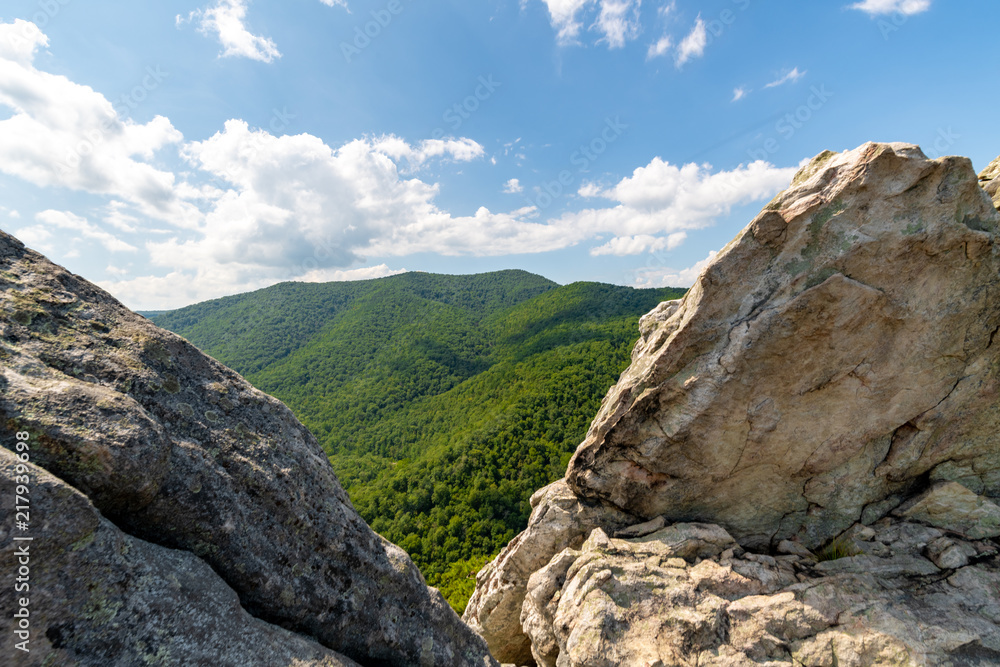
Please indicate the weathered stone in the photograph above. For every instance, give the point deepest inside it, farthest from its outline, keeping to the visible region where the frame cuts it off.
(178, 450)
(794, 548)
(951, 506)
(642, 529)
(990, 180)
(838, 349)
(101, 598)
(559, 520)
(950, 554)
(833, 357)
(609, 605)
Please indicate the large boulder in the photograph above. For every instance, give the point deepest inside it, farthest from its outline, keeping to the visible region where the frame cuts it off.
(989, 178)
(833, 354)
(836, 357)
(177, 450)
(98, 597)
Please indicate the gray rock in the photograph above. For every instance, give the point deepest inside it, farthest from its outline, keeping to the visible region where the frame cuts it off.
(949, 554)
(101, 598)
(951, 506)
(177, 450)
(642, 529)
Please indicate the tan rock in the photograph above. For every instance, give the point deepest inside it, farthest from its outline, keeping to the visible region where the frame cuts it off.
(990, 180)
(951, 506)
(838, 349)
(833, 357)
(607, 605)
(559, 520)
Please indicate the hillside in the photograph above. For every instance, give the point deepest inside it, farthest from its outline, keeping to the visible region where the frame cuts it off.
(442, 401)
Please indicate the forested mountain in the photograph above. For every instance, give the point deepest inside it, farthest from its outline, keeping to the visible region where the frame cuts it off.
(442, 401)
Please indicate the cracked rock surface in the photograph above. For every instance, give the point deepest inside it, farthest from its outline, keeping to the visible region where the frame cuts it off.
(833, 361)
(650, 602)
(175, 450)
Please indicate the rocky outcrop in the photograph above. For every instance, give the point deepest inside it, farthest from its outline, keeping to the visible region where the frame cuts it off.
(648, 602)
(989, 178)
(835, 360)
(99, 597)
(178, 451)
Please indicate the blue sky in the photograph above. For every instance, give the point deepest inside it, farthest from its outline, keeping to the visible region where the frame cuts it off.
(174, 152)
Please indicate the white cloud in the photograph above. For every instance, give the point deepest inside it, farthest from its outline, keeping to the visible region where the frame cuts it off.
(739, 94)
(63, 134)
(619, 21)
(73, 223)
(659, 48)
(226, 19)
(661, 200)
(791, 76)
(35, 236)
(252, 208)
(667, 277)
(906, 7)
(459, 150)
(513, 187)
(335, 3)
(339, 275)
(693, 46)
(638, 244)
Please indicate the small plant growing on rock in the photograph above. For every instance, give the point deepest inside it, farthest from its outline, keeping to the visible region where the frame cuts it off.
(840, 547)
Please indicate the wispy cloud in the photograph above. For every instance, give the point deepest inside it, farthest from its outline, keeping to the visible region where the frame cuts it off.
(659, 48)
(226, 19)
(739, 94)
(616, 20)
(693, 46)
(907, 7)
(335, 3)
(619, 22)
(790, 77)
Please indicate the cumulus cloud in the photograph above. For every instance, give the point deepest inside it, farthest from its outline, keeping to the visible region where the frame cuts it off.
(227, 20)
(693, 46)
(650, 208)
(638, 244)
(791, 76)
(335, 3)
(668, 277)
(62, 134)
(71, 222)
(251, 208)
(906, 7)
(513, 187)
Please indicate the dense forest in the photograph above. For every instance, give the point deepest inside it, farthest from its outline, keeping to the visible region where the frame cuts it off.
(443, 402)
